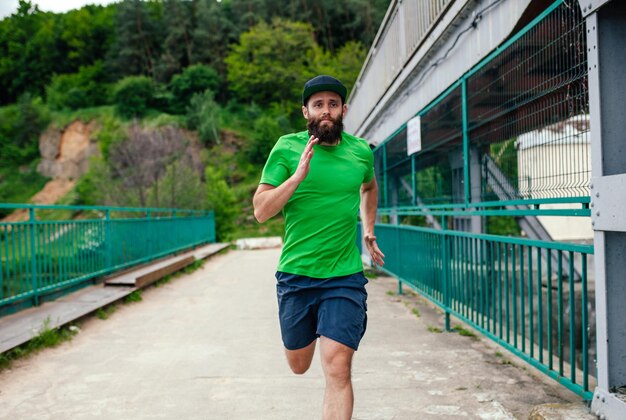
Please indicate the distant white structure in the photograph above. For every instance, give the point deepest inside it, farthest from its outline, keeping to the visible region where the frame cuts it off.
(553, 162)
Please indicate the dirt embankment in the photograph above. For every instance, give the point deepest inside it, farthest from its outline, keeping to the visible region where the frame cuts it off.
(65, 157)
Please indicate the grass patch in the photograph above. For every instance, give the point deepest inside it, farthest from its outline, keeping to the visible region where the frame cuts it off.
(391, 293)
(47, 337)
(464, 332)
(371, 274)
(133, 297)
(105, 312)
(499, 354)
(416, 312)
(433, 329)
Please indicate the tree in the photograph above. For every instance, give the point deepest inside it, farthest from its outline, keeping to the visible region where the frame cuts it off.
(203, 116)
(180, 187)
(194, 79)
(140, 161)
(20, 126)
(83, 89)
(346, 63)
(137, 39)
(177, 47)
(212, 35)
(272, 62)
(133, 95)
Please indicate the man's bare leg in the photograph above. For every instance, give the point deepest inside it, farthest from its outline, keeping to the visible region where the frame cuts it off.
(337, 364)
(300, 360)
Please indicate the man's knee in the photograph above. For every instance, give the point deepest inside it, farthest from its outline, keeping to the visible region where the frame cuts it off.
(299, 368)
(337, 362)
(300, 360)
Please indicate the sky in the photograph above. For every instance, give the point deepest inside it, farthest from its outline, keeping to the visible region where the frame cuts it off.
(8, 7)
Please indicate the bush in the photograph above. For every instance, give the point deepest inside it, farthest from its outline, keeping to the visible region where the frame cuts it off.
(203, 116)
(193, 80)
(78, 90)
(20, 126)
(221, 199)
(133, 96)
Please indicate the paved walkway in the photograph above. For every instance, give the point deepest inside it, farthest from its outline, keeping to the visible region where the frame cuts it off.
(207, 346)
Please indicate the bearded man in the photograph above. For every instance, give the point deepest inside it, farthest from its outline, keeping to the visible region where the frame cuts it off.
(320, 282)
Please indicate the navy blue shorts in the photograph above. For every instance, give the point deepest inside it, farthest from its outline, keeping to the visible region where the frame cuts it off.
(309, 307)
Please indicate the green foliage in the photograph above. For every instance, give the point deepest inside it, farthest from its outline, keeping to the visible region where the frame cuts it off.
(203, 114)
(503, 225)
(465, 332)
(20, 126)
(111, 133)
(193, 80)
(78, 90)
(267, 129)
(18, 185)
(137, 39)
(46, 337)
(133, 297)
(178, 43)
(133, 96)
(346, 63)
(213, 34)
(106, 311)
(180, 187)
(221, 199)
(272, 62)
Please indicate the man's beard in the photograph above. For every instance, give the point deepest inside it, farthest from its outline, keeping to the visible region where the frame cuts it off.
(327, 134)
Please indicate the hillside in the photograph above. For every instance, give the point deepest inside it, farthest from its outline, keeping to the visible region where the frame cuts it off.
(171, 104)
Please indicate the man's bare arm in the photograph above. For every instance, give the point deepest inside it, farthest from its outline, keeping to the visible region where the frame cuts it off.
(268, 200)
(369, 205)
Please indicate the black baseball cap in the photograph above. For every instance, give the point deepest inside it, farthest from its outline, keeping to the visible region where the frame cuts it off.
(323, 83)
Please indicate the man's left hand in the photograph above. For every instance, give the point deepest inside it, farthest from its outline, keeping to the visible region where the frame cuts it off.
(375, 253)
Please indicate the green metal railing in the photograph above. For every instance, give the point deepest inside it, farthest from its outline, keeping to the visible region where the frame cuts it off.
(508, 143)
(51, 251)
(506, 288)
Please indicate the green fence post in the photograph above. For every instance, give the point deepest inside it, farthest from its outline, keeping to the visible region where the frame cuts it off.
(445, 268)
(466, 159)
(34, 278)
(108, 240)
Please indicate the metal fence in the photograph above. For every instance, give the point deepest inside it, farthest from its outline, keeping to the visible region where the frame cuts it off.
(514, 127)
(52, 251)
(507, 288)
(508, 142)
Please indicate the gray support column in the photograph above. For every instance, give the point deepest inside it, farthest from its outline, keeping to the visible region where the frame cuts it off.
(475, 186)
(394, 186)
(606, 37)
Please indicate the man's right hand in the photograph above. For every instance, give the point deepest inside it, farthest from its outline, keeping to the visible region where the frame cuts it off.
(305, 160)
(269, 200)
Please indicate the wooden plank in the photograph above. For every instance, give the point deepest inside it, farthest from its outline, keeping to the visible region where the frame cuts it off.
(20, 327)
(151, 277)
(130, 278)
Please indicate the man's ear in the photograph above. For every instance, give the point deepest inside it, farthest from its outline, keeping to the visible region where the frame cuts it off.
(345, 109)
(305, 112)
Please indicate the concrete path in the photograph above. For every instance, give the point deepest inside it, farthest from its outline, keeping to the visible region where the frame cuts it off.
(207, 346)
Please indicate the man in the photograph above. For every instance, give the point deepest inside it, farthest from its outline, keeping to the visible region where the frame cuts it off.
(319, 179)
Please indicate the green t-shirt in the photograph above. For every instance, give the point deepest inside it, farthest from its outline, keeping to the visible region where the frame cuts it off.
(321, 215)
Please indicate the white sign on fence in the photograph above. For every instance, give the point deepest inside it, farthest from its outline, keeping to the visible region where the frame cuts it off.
(413, 136)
